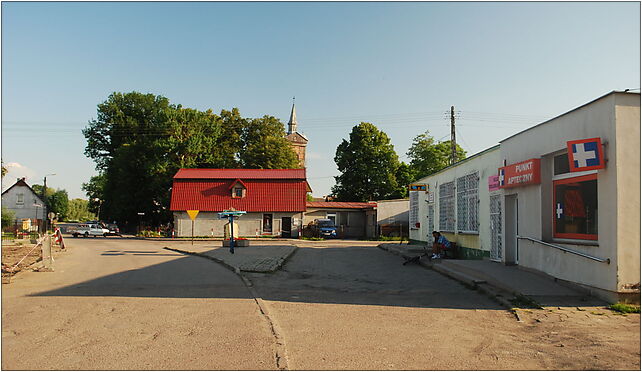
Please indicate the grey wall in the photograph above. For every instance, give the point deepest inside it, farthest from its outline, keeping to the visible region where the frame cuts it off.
(251, 224)
(27, 209)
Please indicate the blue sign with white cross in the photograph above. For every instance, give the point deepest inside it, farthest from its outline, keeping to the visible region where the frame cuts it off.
(586, 154)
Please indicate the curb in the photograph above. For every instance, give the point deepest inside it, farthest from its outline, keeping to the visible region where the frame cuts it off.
(479, 285)
(235, 269)
(203, 239)
(217, 260)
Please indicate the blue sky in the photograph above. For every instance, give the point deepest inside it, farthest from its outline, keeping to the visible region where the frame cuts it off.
(504, 66)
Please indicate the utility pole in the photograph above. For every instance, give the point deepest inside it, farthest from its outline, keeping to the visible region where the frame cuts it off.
(44, 206)
(453, 142)
(44, 202)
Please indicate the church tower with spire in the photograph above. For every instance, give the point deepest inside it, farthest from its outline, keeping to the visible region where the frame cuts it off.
(297, 140)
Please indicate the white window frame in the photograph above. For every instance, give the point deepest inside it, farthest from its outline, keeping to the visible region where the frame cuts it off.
(447, 206)
(20, 199)
(468, 203)
(413, 214)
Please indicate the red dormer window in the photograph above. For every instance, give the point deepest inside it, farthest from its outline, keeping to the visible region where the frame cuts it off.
(238, 189)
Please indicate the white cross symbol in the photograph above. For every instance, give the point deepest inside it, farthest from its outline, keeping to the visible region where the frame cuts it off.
(559, 210)
(581, 155)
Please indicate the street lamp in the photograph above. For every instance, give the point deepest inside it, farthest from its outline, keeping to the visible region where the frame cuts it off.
(44, 201)
(37, 206)
(99, 203)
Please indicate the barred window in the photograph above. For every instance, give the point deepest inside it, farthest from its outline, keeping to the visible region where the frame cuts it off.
(467, 203)
(447, 206)
(414, 209)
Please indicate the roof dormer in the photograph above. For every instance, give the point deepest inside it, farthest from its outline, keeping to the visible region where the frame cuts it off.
(238, 189)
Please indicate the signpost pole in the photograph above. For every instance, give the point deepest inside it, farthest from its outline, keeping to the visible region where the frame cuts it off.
(192, 232)
(232, 234)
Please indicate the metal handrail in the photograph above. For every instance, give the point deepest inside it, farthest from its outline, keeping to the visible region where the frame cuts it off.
(607, 260)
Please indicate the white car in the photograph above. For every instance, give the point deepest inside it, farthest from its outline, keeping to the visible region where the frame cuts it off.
(89, 230)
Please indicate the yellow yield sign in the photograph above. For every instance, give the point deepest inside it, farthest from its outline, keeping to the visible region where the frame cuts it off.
(192, 214)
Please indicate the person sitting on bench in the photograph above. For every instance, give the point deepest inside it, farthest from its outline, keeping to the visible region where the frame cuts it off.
(440, 244)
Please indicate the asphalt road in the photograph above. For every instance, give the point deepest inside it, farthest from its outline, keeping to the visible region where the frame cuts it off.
(129, 304)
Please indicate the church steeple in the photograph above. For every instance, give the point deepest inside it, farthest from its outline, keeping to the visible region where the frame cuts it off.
(292, 123)
(297, 140)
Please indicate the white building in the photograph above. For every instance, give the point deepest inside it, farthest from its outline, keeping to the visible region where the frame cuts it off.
(24, 202)
(457, 203)
(575, 217)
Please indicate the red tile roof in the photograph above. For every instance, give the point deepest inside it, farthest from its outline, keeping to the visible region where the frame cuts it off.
(262, 174)
(268, 190)
(343, 205)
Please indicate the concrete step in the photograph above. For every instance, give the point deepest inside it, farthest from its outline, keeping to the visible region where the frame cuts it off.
(457, 275)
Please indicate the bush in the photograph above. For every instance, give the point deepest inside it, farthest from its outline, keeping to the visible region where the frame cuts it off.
(8, 217)
(149, 234)
(625, 308)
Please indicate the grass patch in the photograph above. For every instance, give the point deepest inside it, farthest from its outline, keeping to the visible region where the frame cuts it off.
(522, 301)
(625, 308)
(313, 238)
(387, 239)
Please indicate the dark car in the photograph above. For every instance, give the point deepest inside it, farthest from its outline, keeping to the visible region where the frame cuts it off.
(320, 228)
(113, 229)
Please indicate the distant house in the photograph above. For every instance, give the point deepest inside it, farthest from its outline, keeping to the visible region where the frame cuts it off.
(392, 217)
(24, 202)
(274, 199)
(353, 220)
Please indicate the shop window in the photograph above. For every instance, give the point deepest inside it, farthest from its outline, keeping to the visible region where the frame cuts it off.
(447, 206)
(332, 217)
(238, 192)
(467, 202)
(575, 208)
(560, 164)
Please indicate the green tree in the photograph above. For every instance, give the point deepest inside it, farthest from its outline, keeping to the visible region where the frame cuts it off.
(57, 200)
(4, 170)
(139, 141)
(368, 165)
(405, 175)
(428, 156)
(230, 144)
(8, 217)
(265, 146)
(59, 203)
(94, 189)
(79, 211)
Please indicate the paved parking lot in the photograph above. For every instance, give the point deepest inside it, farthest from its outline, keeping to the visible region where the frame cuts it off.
(130, 304)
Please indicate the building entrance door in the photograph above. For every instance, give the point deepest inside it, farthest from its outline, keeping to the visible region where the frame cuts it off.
(496, 251)
(286, 227)
(267, 224)
(512, 230)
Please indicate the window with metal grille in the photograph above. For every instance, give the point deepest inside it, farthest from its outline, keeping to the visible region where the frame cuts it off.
(447, 206)
(414, 209)
(467, 203)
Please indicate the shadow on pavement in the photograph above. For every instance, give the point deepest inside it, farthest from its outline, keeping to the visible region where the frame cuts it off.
(346, 275)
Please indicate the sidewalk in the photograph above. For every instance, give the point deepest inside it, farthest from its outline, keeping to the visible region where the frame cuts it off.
(500, 280)
(255, 258)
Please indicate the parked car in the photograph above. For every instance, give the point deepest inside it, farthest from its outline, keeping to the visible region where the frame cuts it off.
(320, 228)
(113, 229)
(87, 230)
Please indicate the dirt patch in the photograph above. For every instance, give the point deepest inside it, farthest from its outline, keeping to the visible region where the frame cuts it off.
(583, 337)
(12, 253)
